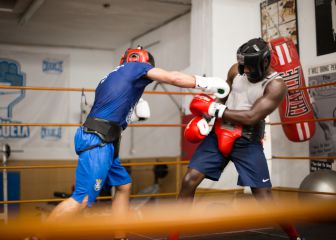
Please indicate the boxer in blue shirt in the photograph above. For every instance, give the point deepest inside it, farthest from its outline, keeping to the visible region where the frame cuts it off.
(97, 141)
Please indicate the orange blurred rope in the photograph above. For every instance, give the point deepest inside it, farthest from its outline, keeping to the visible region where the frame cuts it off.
(175, 217)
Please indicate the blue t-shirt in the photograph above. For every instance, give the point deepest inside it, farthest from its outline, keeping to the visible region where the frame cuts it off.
(117, 93)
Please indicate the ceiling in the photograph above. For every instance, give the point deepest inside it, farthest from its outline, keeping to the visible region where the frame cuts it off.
(94, 24)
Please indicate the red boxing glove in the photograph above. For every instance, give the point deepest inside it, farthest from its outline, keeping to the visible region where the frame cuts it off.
(226, 136)
(196, 130)
(203, 104)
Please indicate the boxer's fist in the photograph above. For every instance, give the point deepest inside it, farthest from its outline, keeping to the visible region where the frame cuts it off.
(218, 86)
(196, 130)
(203, 104)
(141, 111)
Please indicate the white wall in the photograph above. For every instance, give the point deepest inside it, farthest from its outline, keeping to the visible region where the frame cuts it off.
(234, 22)
(87, 67)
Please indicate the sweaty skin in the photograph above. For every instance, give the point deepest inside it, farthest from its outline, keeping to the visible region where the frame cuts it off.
(273, 95)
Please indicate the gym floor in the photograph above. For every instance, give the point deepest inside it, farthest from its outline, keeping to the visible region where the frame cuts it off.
(310, 231)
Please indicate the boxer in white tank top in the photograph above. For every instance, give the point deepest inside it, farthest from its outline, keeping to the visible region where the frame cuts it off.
(256, 91)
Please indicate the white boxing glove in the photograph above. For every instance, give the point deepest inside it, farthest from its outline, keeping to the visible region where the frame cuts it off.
(141, 111)
(217, 85)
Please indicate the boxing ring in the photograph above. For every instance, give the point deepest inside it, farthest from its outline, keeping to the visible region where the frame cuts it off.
(159, 219)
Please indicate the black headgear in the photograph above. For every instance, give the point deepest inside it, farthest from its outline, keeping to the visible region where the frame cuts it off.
(137, 55)
(255, 54)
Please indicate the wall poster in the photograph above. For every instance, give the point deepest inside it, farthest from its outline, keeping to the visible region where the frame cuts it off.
(323, 143)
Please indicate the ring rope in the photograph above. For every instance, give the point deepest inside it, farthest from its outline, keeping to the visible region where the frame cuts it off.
(305, 158)
(41, 88)
(312, 86)
(152, 124)
(74, 165)
(99, 198)
(137, 164)
(169, 194)
(306, 120)
(78, 124)
(296, 190)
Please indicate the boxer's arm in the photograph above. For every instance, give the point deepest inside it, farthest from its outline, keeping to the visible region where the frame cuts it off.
(215, 85)
(172, 77)
(273, 95)
(232, 73)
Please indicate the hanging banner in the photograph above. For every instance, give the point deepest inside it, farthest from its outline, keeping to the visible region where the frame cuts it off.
(323, 142)
(28, 106)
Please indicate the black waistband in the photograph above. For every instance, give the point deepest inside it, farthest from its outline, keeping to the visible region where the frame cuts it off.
(254, 132)
(108, 131)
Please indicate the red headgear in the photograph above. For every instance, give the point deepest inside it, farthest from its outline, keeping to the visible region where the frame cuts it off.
(137, 55)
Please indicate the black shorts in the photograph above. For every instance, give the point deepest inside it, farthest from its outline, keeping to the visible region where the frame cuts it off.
(247, 156)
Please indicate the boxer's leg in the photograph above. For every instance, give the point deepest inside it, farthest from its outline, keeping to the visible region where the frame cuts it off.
(119, 177)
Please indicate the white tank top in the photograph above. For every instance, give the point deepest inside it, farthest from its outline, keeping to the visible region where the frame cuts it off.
(244, 93)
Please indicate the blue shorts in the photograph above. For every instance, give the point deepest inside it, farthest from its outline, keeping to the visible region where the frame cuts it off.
(95, 166)
(248, 158)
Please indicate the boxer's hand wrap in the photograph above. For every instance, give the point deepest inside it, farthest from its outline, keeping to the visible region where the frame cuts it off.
(197, 129)
(141, 111)
(203, 104)
(218, 86)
